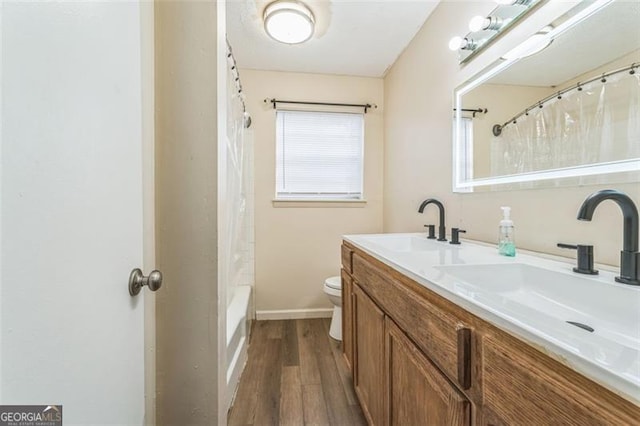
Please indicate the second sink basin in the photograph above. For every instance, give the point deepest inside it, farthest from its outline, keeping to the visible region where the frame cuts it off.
(612, 310)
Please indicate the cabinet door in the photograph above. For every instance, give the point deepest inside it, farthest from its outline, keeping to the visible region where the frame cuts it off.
(369, 356)
(418, 393)
(347, 318)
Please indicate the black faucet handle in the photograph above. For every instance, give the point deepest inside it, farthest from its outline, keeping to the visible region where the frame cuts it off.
(432, 231)
(568, 246)
(455, 235)
(585, 258)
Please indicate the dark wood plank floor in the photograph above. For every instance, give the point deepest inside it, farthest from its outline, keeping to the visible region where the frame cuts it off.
(295, 375)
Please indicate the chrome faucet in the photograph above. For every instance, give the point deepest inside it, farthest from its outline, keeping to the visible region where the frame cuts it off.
(442, 230)
(629, 256)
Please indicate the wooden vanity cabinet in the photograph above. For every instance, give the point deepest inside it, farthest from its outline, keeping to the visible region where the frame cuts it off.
(419, 359)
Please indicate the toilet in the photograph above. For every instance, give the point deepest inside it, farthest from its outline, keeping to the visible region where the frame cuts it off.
(333, 288)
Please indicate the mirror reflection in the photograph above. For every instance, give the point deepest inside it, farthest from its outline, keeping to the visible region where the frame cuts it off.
(573, 107)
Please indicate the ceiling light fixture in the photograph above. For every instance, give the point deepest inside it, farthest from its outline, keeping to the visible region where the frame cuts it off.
(288, 21)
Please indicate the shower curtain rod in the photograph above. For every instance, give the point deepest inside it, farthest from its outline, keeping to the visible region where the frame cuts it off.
(274, 101)
(497, 128)
(234, 70)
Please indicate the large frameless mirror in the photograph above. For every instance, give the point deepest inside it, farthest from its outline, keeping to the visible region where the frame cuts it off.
(561, 108)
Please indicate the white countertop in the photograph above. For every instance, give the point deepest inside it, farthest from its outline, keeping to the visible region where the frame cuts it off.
(611, 358)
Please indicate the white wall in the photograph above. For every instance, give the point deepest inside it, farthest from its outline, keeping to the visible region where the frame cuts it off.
(190, 53)
(418, 102)
(298, 245)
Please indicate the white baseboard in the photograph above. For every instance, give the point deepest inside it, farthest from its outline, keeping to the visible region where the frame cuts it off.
(294, 314)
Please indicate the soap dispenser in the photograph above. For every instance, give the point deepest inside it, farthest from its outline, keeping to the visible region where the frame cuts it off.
(506, 234)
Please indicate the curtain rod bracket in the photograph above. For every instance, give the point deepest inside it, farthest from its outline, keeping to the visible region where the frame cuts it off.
(474, 111)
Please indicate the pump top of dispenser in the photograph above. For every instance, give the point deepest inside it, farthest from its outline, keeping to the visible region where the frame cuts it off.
(506, 219)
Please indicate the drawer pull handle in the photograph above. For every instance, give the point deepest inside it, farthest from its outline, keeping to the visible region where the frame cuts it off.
(464, 357)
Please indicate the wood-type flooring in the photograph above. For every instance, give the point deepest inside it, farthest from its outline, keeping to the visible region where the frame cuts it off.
(295, 375)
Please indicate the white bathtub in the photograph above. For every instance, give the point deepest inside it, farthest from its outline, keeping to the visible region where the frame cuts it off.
(238, 317)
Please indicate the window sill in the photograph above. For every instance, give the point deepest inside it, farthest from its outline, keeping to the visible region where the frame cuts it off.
(306, 203)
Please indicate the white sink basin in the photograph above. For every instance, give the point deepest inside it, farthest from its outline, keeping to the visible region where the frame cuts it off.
(612, 310)
(402, 243)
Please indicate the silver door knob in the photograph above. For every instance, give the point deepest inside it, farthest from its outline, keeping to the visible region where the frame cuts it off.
(137, 280)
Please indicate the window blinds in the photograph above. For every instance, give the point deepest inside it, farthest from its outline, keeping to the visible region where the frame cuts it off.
(319, 155)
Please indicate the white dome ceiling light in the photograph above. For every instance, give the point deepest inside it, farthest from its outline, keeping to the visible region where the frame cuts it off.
(289, 21)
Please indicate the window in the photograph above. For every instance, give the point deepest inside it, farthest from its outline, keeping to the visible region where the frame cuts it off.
(319, 155)
(465, 151)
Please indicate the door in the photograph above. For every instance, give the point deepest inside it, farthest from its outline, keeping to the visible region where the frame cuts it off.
(71, 209)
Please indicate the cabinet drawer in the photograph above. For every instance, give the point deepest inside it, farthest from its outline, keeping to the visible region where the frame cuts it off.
(439, 334)
(521, 387)
(347, 254)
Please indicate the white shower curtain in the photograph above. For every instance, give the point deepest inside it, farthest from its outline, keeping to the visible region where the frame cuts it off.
(599, 123)
(238, 251)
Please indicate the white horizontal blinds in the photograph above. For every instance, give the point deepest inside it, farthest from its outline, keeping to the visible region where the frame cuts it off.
(319, 155)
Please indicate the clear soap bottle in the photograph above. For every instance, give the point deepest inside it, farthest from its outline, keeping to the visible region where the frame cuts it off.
(506, 234)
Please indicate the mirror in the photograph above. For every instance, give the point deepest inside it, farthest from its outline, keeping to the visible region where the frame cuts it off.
(561, 108)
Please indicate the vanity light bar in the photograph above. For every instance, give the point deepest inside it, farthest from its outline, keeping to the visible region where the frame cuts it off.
(484, 29)
(505, 63)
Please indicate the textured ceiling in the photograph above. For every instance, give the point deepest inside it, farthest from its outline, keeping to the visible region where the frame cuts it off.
(356, 37)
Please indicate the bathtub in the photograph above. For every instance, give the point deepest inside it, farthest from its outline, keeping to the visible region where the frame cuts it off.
(238, 320)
